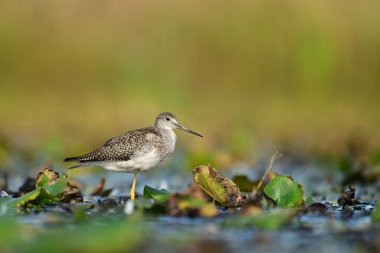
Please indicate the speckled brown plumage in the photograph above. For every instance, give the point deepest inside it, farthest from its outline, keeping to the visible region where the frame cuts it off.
(124, 147)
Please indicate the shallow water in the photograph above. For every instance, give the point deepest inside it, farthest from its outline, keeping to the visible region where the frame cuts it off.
(310, 233)
(348, 230)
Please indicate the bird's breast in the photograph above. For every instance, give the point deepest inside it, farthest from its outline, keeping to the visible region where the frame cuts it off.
(140, 162)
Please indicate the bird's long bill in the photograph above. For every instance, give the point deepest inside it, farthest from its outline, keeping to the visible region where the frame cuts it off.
(188, 130)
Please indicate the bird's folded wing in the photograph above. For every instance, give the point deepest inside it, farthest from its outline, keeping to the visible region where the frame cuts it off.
(125, 146)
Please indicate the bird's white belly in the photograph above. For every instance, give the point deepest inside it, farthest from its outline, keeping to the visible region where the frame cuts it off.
(138, 163)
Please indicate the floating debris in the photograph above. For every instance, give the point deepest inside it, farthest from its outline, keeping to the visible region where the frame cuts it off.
(347, 198)
(50, 188)
(219, 187)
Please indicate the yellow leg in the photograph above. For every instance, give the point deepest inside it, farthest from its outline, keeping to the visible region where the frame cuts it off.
(133, 187)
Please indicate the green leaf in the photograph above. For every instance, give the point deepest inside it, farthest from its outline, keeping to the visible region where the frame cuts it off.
(55, 188)
(285, 192)
(58, 188)
(20, 201)
(157, 195)
(52, 193)
(50, 187)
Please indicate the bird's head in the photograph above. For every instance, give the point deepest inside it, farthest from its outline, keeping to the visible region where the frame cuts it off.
(168, 120)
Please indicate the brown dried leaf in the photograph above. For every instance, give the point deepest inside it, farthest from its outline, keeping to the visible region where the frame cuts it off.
(218, 187)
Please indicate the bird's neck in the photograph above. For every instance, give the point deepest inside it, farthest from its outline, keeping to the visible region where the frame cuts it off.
(169, 138)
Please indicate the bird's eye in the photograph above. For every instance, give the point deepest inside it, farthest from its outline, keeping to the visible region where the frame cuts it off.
(167, 119)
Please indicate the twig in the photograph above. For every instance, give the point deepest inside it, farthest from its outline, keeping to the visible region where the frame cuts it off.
(99, 187)
(274, 157)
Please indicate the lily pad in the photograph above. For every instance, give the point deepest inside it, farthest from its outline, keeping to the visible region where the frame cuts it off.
(157, 195)
(285, 192)
(218, 186)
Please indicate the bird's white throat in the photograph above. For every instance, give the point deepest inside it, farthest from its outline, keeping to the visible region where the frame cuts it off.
(169, 137)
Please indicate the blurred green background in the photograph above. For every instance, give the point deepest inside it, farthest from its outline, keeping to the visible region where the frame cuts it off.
(301, 75)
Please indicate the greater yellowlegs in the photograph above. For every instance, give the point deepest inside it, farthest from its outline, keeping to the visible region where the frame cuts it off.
(136, 150)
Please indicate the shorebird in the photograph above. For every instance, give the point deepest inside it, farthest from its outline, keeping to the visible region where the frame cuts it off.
(135, 151)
